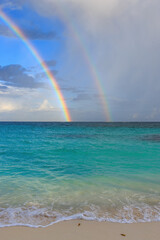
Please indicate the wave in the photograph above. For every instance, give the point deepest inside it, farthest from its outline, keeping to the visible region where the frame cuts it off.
(43, 217)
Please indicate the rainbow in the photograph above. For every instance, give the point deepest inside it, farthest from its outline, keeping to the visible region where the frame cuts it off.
(42, 63)
(92, 69)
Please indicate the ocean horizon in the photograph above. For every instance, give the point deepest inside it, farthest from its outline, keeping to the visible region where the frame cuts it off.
(55, 171)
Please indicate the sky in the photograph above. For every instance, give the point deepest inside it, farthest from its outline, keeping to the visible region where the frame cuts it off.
(103, 54)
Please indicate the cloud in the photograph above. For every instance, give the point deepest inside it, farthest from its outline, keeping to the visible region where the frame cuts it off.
(51, 63)
(37, 34)
(3, 88)
(45, 106)
(121, 42)
(42, 75)
(88, 13)
(154, 114)
(72, 89)
(87, 97)
(17, 76)
(10, 4)
(8, 106)
(25, 104)
(5, 31)
(32, 33)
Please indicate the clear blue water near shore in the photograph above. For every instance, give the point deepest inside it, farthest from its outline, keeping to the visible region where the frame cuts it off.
(51, 172)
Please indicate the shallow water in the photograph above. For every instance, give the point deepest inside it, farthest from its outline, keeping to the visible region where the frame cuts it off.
(101, 171)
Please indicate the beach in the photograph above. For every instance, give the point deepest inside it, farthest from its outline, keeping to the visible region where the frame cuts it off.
(86, 230)
(79, 120)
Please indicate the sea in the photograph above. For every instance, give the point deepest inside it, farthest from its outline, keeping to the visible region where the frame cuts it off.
(51, 172)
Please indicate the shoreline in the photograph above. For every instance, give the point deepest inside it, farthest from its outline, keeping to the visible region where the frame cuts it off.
(85, 230)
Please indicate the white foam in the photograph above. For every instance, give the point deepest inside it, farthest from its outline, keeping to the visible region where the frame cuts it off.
(36, 218)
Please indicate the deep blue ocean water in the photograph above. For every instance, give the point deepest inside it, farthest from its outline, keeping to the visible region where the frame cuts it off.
(50, 172)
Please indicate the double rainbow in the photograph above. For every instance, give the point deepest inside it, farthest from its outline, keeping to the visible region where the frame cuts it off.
(88, 60)
(42, 63)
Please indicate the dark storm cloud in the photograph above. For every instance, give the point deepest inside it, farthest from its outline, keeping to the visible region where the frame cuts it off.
(33, 33)
(17, 76)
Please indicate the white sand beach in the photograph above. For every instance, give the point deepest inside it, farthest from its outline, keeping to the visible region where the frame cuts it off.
(85, 230)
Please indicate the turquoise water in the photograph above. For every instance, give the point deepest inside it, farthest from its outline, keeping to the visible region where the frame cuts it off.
(51, 172)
